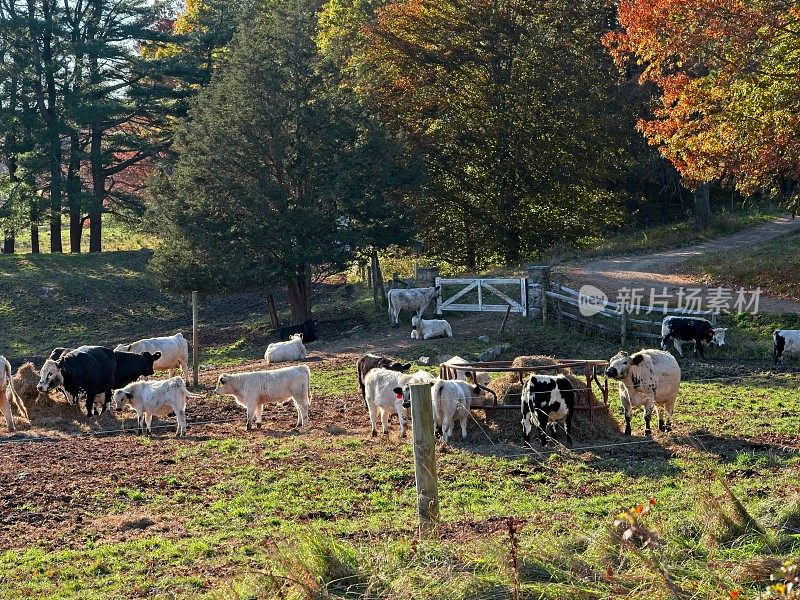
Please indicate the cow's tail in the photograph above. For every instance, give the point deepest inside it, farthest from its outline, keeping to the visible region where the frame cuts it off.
(14, 395)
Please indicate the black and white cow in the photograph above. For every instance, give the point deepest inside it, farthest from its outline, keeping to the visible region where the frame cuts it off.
(94, 371)
(688, 329)
(547, 400)
(785, 342)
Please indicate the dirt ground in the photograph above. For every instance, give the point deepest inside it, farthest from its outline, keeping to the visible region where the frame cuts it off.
(662, 269)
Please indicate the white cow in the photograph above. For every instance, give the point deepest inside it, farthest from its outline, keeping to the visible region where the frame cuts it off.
(451, 402)
(481, 378)
(254, 389)
(647, 378)
(155, 399)
(381, 397)
(415, 300)
(174, 352)
(6, 386)
(427, 329)
(293, 349)
(785, 342)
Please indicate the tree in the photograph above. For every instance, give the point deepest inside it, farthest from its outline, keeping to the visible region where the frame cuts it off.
(279, 174)
(513, 105)
(727, 72)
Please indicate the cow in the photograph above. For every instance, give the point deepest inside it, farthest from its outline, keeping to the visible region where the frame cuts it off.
(372, 361)
(6, 390)
(648, 378)
(428, 329)
(94, 371)
(293, 349)
(481, 378)
(174, 351)
(451, 398)
(155, 398)
(308, 329)
(415, 300)
(785, 342)
(686, 329)
(380, 387)
(253, 389)
(547, 400)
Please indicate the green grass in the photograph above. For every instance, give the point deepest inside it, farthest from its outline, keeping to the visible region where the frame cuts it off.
(117, 235)
(773, 267)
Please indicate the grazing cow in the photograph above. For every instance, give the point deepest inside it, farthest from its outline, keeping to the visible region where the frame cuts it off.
(381, 397)
(254, 389)
(6, 386)
(648, 378)
(687, 329)
(155, 398)
(89, 370)
(415, 300)
(286, 351)
(427, 329)
(481, 378)
(372, 361)
(785, 342)
(547, 400)
(174, 351)
(308, 329)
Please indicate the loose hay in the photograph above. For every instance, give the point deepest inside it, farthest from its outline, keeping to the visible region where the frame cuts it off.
(25, 381)
(509, 391)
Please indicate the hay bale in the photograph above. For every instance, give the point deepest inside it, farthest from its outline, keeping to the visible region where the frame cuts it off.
(509, 391)
(25, 381)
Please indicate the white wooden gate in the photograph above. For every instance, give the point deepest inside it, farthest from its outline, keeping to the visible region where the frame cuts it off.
(487, 292)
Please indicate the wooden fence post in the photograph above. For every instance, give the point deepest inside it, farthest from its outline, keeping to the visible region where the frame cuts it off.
(273, 314)
(425, 461)
(195, 338)
(623, 322)
(559, 280)
(543, 303)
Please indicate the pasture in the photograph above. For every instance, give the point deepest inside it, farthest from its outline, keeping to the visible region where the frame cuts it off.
(331, 512)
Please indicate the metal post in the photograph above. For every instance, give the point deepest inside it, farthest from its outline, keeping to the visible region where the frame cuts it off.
(425, 461)
(624, 322)
(195, 338)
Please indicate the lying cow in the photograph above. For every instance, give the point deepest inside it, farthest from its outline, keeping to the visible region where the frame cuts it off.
(648, 378)
(6, 390)
(547, 400)
(785, 342)
(428, 329)
(254, 389)
(174, 351)
(687, 329)
(372, 361)
(286, 351)
(155, 399)
(415, 300)
(94, 371)
(380, 387)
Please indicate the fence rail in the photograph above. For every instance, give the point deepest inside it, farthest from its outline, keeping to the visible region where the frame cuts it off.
(514, 299)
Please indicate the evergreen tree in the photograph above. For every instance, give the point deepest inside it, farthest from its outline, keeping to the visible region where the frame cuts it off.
(279, 174)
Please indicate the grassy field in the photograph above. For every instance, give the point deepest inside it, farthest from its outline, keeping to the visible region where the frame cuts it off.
(330, 512)
(773, 268)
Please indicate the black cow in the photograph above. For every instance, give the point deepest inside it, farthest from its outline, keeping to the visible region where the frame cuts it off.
(687, 329)
(132, 365)
(372, 361)
(547, 400)
(88, 370)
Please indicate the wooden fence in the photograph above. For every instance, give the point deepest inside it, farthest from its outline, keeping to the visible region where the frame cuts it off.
(485, 294)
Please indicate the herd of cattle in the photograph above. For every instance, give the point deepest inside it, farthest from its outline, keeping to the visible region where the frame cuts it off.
(648, 379)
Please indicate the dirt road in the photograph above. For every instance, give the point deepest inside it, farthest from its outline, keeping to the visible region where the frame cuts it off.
(663, 269)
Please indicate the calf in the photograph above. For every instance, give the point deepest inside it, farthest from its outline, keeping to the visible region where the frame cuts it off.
(6, 386)
(254, 389)
(647, 378)
(155, 399)
(174, 351)
(686, 329)
(547, 400)
(372, 361)
(785, 342)
(286, 351)
(451, 402)
(86, 370)
(415, 300)
(481, 378)
(381, 396)
(427, 329)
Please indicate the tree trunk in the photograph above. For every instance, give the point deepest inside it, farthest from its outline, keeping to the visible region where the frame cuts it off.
(98, 189)
(298, 290)
(74, 193)
(34, 238)
(378, 286)
(55, 193)
(8, 241)
(702, 207)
